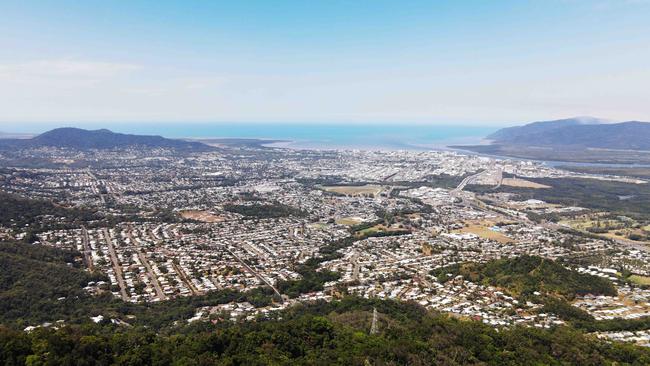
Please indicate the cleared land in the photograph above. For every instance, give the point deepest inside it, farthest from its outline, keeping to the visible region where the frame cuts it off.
(609, 228)
(380, 228)
(354, 190)
(592, 194)
(517, 182)
(349, 221)
(203, 216)
(482, 229)
(640, 280)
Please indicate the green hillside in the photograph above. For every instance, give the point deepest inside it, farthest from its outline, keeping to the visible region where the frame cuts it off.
(522, 276)
(37, 283)
(321, 334)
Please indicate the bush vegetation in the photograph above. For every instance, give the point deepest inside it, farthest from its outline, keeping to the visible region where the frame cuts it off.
(523, 276)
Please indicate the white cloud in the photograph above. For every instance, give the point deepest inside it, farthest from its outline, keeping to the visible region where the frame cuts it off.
(76, 90)
(63, 69)
(166, 85)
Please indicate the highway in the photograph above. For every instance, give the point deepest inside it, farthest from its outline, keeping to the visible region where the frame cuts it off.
(466, 181)
(499, 178)
(478, 204)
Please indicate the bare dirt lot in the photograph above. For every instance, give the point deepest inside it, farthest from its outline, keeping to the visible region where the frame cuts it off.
(517, 182)
(482, 229)
(349, 221)
(203, 216)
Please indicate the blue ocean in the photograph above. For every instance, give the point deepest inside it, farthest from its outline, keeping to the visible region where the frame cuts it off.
(305, 135)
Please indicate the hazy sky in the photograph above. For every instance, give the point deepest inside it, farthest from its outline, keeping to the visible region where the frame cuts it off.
(469, 62)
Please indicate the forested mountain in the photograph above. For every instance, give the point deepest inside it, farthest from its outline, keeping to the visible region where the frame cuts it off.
(516, 132)
(37, 282)
(336, 333)
(78, 138)
(583, 132)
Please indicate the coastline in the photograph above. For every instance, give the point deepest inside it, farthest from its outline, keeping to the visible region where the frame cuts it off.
(553, 162)
(449, 145)
(345, 142)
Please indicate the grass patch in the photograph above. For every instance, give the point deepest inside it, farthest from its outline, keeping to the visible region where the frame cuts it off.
(640, 280)
(379, 230)
(518, 182)
(482, 229)
(349, 221)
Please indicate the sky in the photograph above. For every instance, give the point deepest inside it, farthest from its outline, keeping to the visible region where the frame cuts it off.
(365, 61)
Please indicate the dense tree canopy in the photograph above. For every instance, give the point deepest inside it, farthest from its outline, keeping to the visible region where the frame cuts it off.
(265, 211)
(34, 278)
(524, 275)
(324, 333)
(17, 211)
